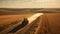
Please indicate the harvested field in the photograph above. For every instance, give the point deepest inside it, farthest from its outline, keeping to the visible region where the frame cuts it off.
(9, 20)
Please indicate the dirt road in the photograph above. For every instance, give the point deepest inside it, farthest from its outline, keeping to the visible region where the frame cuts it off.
(48, 24)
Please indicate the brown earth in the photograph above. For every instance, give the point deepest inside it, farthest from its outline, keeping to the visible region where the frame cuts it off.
(11, 18)
(7, 20)
(50, 24)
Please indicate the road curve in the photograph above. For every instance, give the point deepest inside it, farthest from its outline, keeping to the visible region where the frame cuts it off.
(31, 20)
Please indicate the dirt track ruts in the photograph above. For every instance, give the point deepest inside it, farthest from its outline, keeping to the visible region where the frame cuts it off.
(50, 24)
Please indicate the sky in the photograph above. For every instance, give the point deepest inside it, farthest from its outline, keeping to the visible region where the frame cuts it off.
(29, 3)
